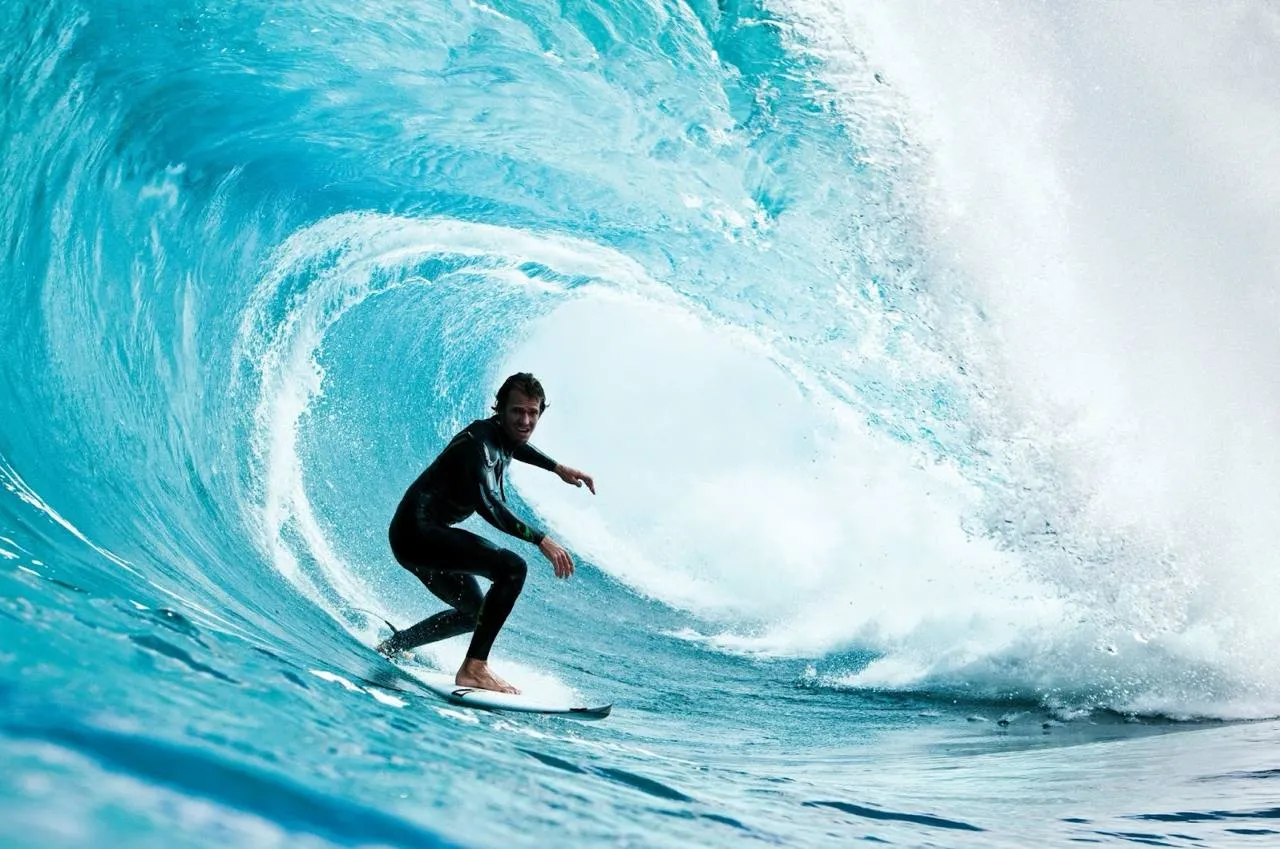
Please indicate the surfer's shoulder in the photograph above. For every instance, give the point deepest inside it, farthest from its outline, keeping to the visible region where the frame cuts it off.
(473, 435)
(485, 430)
(482, 435)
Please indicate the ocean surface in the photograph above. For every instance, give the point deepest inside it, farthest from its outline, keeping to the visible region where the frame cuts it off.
(924, 355)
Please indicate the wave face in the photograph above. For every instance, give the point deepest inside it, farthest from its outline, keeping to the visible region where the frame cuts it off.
(923, 365)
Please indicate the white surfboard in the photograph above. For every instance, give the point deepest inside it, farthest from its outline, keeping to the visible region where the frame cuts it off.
(443, 685)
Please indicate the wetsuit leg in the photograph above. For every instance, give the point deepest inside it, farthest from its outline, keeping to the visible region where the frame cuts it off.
(445, 559)
(461, 592)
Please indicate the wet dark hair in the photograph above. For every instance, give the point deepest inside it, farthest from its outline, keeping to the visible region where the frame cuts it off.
(527, 384)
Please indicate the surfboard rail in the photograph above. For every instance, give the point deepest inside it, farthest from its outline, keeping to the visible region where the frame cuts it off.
(444, 686)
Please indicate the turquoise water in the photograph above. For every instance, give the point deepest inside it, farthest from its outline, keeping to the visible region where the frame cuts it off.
(934, 480)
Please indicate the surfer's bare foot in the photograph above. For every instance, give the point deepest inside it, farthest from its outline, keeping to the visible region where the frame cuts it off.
(476, 673)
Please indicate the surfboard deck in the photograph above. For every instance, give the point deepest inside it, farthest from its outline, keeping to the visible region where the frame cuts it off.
(444, 687)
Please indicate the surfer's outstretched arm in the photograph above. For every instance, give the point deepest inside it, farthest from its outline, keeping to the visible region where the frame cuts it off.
(575, 477)
(528, 454)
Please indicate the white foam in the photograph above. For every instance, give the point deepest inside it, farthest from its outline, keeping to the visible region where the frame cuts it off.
(1105, 179)
(730, 486)
(378, 695)
(334, 678)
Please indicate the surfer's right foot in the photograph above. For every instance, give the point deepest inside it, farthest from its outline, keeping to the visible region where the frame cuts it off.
(476, 673)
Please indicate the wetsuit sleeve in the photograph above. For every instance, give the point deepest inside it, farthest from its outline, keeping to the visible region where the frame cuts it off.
(528, 454)
(490, 505)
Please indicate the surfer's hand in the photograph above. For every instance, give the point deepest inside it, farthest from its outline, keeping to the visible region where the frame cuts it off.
(576, 477)
(560, 559)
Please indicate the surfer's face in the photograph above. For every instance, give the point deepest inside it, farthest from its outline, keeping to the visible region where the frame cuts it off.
(520, 416)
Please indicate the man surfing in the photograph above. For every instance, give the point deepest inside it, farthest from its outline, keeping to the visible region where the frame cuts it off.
(467, 478)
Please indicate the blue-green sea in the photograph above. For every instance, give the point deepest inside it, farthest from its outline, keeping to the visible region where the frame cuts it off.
(923, 355)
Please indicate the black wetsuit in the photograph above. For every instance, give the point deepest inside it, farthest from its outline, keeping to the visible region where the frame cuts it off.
(466, 478)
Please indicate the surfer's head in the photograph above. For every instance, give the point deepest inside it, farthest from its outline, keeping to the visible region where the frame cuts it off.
(519, 405)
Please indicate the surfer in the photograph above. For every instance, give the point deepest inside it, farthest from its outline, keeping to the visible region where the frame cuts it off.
(467, 478)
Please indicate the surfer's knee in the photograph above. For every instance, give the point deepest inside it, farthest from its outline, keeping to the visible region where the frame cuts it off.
(470, 610)
(512, 567)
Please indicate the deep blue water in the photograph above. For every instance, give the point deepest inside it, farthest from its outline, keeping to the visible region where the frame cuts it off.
(923, 518)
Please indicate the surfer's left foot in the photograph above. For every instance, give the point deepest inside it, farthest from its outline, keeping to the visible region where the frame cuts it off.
(476, 673)
(388, 649)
